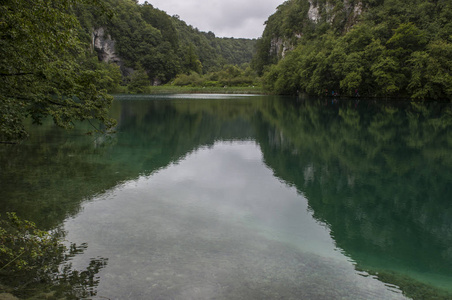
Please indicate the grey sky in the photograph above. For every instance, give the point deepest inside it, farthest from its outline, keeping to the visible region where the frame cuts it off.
(232, 18)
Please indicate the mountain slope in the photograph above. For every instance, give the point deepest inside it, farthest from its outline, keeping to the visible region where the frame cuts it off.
(142, 36)
(390, 48)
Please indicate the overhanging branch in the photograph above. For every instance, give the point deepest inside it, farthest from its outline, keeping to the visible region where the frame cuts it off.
(71, 105)
(9, 143)
(63, 104)
(15, 74)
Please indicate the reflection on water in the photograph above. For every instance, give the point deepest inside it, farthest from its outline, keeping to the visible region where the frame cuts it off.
(379, 175)
(216, 225)
(250, 197)
(185, 96)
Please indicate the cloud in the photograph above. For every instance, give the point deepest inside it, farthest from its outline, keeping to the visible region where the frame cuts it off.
(233, 18)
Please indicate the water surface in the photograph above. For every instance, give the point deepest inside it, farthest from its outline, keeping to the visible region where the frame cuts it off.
(249, 197)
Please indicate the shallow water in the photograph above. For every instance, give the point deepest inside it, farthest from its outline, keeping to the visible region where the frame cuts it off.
(249, 197)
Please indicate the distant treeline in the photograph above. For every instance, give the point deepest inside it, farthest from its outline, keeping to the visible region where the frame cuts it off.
(164, 46)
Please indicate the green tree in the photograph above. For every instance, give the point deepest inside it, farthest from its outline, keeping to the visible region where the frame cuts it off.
(139, 80)
(387, 75)
(191, 61)
(40, 73)
(106, 76)
(383, 48)
(353, 70)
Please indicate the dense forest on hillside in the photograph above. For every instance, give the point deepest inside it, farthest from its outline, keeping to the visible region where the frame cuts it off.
(61, 59)
(147, 38)
(389, 48)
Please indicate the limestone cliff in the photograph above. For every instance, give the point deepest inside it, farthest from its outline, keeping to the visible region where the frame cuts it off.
(296, 18)
(104, 46)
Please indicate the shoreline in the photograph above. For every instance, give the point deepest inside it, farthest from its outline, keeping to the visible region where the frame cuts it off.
(153, 90)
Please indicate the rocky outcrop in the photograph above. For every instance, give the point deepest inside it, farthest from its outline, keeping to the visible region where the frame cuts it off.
(314, 13)
(280, 46)
(104, 46)
(353, 13)
(351, 10)
(343, 17)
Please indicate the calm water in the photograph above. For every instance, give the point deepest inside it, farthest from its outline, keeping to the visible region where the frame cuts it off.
(249, 197)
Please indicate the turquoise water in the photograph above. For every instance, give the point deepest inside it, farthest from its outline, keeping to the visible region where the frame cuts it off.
(249, 197)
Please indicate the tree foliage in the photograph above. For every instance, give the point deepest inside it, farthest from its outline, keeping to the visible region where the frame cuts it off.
(48, 66)
(384, 49)
(34, 262)
(43, 69)
(24, 247)
(229, 75)
(164, 46)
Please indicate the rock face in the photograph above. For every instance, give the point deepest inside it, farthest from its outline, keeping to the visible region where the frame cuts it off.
(104, 46)
(351, 10)
(319, 12)
(280, 46)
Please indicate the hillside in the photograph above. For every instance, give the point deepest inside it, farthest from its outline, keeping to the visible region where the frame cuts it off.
(62, 58)
(382, 48)
(141, 36)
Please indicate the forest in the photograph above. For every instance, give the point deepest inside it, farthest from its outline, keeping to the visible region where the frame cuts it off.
(50, 65)
(63, 59)
(158, 46)
(369, 48)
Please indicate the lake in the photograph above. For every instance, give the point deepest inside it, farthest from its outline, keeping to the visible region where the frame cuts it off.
(248, 197)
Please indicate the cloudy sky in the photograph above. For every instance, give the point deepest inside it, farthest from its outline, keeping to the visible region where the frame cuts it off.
(225, 18)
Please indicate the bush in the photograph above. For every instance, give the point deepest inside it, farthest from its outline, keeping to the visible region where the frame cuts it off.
(211, 83)
(193, 79)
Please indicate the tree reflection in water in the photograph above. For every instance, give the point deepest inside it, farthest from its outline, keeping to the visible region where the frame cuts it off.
(379, 174)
